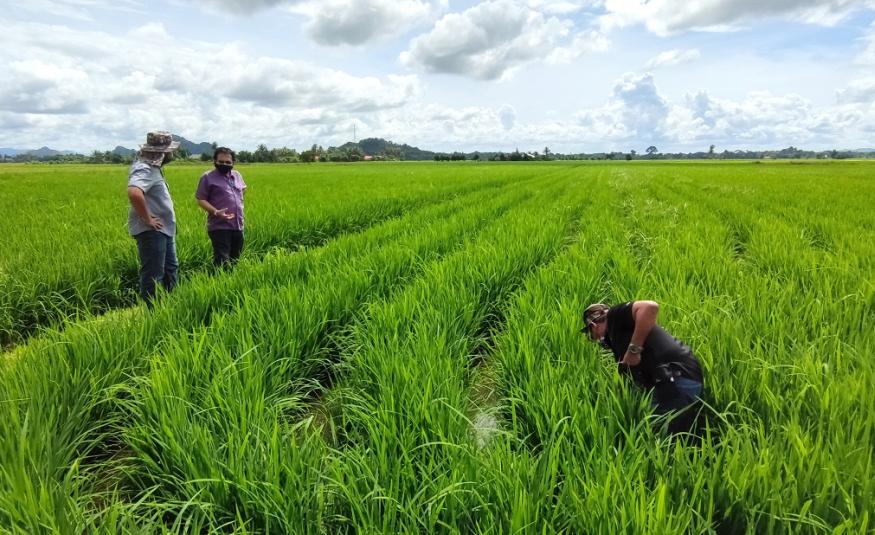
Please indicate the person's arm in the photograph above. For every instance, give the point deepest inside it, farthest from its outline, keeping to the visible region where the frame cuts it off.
(205, 204)
(213, 211)
(138, 201)
(644, 313)
(242, 186)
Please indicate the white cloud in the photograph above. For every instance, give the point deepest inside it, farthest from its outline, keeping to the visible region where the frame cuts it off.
(118, 93)
(867, 56)
(277, 82)
(761, 118)
(559, 7)
(487, 41)
(634, 115)
(507, 116)
(765, 120)
(34, 86)
(83, 90)
(344, 22)
(16, 122)
(441, 128)
(521, 32)
(354, 22)
(118, 72)
(666, 17)
(583, 43)
(244, 7)
(635, 111)
(76, 9)
(859, 91)
(673, 57)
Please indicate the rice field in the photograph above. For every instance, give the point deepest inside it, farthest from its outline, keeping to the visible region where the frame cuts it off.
(398, 352)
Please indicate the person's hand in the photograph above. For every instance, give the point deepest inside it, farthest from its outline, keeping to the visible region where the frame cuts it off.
(223, 214)
(631, 359)
(155, 223)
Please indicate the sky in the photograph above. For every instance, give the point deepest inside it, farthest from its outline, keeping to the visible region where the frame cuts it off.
(571, 75)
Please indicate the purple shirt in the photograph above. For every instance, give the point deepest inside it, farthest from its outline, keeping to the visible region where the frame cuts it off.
(223, 191)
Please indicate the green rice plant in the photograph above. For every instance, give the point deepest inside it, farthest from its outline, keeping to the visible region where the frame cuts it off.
(775, 489)
(73, 255)
(194, 304)
(407, 452)
(572, 432)
(422, 370)
(89, 359)
(260, 360)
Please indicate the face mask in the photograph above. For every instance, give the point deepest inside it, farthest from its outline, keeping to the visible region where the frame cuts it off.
(604, 343)
(168, 157)
(224, 168)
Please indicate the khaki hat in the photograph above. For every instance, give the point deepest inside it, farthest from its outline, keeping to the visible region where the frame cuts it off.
(159, 141)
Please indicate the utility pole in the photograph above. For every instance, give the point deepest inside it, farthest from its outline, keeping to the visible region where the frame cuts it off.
(353, 133)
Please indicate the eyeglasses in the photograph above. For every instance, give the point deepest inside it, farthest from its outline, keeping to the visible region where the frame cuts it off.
(587, 329)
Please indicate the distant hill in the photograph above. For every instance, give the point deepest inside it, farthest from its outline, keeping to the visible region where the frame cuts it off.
(194, 148)
(121, 151)
(42, 152)
(46, 152)
(377, 146)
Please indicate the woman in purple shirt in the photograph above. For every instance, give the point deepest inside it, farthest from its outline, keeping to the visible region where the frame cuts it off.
(220, 194)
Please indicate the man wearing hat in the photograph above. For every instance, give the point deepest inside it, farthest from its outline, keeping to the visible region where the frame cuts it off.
(151, 220)
(650, 356)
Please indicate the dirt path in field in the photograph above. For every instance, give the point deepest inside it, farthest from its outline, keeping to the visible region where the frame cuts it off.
(484, 390)
(484, 401)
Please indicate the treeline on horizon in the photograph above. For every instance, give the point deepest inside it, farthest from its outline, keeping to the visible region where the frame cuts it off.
(375, 149)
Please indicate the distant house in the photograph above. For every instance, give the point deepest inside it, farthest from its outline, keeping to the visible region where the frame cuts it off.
(367, 158)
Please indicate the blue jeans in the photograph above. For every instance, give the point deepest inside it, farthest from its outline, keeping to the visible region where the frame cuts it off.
(682, 398)
(689, 388)
(158, 263)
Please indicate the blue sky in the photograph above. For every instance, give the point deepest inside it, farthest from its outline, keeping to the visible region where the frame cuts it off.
(572, 75)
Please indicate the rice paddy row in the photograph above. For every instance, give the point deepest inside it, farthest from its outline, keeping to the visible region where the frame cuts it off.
(425, 374)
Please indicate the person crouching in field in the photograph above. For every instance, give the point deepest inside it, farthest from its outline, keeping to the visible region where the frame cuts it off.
(220, 194)
(151, 220)
(651, 357)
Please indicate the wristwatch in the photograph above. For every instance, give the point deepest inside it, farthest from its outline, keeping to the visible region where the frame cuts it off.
(634, 349)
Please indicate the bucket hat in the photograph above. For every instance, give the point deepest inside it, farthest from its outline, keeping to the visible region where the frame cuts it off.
(159, 142)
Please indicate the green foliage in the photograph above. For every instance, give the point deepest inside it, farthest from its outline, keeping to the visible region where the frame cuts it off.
(73, 255)
(398, 352)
